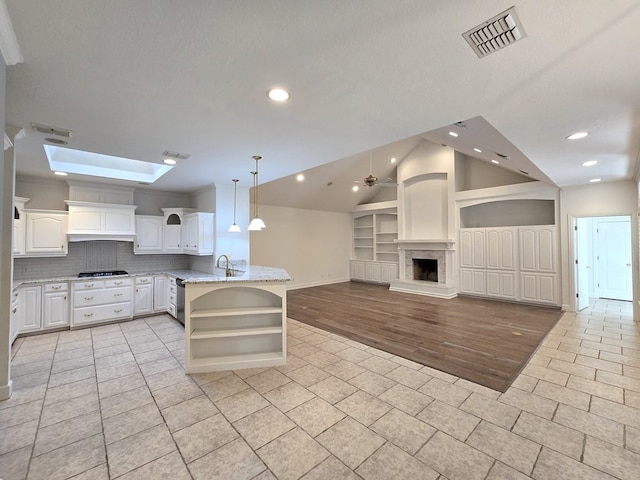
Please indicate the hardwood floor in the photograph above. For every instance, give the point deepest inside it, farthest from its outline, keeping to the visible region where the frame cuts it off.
(484, 341)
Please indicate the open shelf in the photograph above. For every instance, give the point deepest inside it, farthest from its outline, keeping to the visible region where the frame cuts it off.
(234, 311)
(199, 334)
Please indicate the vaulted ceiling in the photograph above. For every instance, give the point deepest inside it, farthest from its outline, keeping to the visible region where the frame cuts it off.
(136, 78)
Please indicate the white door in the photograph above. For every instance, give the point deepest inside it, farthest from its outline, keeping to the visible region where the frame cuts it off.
(614, 258)
(581, 264)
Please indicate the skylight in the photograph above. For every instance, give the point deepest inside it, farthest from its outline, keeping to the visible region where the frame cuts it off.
(99, 165)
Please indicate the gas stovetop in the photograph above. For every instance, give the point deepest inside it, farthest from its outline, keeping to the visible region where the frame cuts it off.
(107, 273)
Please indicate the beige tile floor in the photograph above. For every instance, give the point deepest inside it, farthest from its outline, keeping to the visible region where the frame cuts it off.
(114, 402)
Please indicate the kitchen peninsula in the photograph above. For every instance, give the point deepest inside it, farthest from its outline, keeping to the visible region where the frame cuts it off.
(235, 319)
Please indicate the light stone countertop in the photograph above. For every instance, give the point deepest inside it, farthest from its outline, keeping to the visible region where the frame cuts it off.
(246, 274)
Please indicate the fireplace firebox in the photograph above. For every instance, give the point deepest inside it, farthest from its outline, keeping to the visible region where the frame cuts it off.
(425, 269)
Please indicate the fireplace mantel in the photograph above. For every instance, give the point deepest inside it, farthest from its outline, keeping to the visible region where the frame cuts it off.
(426, 244)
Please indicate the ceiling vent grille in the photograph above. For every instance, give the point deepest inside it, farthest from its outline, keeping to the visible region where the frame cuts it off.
(496, 33)
(181, 156)
(61, 132)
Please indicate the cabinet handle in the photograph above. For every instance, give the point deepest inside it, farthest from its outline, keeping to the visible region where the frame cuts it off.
(117, 311)
(65, 297)
(144, 280)
(61, 247)
(117, 294)
(88, 285)
(88, 298)
(88, 314)
(117, 283)
(15, 309)
(56, 287)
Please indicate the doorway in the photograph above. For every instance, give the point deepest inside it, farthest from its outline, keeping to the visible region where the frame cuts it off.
(602, 263)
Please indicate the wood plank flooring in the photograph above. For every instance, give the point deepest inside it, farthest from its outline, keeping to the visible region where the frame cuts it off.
(484, 341)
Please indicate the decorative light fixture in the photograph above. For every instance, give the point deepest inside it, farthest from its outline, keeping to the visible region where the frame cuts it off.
(257, 223)
(234, 226)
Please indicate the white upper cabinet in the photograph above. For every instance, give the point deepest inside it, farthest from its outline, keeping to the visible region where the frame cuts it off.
(46, 233)
(538, 248)
(501, 248)
(101, 219)
(197, 234)
(148, 234)
(472, 245)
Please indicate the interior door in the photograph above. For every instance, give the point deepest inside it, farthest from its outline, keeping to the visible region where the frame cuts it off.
(582, 262)
(614, 258)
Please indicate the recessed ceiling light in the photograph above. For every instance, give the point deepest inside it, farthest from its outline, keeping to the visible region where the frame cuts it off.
(495, 161)
(170, 161)
(590, 163)
(62, 174)
(300, 177)
(478, 150)
(577, 135)
(355, 188)
(453, 134)
(392, 160)
(278, 95)
(595, 180)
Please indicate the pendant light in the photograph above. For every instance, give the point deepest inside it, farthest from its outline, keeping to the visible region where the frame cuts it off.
(257, 223)
(234, 227)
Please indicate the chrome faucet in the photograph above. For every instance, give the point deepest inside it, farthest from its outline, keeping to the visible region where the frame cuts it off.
(227, 270)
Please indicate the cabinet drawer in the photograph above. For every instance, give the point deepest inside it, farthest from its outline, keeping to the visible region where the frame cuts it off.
(172, 298)
(118, 282)
(173, 288)
(101, 313)
(56, 287)
(88, 285)
(144, 280)
(172, 310)
(100, 297)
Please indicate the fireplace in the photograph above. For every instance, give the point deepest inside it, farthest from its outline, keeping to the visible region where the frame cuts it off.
(425, 269)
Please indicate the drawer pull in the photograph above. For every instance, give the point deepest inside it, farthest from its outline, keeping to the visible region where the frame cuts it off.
(118, 283)
(88, 314)
(117, 311)
(88, 285)
(88, 298)
(15, 309)
(143, 280)
(56, 287)
(117, 294)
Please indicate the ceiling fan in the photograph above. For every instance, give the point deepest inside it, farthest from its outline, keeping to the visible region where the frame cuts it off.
(372, 181)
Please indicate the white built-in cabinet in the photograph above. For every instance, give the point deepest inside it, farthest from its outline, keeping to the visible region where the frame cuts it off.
(39, 233)
(19, 226)
(197, 234)
(160, 293)
(148, 234)
(375, 243)
(143, 295)
(29, 310)
(511, 263)
(100, 219)
(97, 301)
(235, 327)
(14, 326)
(56, 305)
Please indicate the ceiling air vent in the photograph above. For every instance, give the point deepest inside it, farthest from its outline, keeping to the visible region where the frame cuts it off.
(61, 132)
(181, 156)
(496, 33)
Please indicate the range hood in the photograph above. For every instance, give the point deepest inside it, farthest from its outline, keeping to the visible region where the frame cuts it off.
(101, 221)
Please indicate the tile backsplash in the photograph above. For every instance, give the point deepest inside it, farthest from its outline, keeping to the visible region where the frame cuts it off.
(103, 255)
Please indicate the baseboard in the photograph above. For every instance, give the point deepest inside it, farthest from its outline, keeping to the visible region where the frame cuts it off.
(5, 391)
(297, 286)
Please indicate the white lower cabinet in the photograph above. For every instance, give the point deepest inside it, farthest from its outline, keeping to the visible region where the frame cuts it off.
(501, 284)
(29, 314)
(96, 301)
(373, 271)
(143, 296)
(160, 293)
(473, 281)
(13, 320)
(172, 299)
(56, 305)
(539, 287)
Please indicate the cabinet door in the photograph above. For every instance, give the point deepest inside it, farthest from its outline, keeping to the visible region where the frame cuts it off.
(160, 293)
(172, 238)
(472, 281)
(538, 288)
(472, 247)
(148, 234)
(143, 299)
(19, 235)
(190, 233)
(29, 309)
(538, 248)
(501, 248)
(46, 233)
(198, 233)
(501, 284)
(372, 272)
(56, 309)
(389, 271)
(357, 270)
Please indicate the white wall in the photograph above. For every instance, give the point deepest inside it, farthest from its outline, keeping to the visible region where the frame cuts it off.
(7, 174)
(314, 247)
(597, 200)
